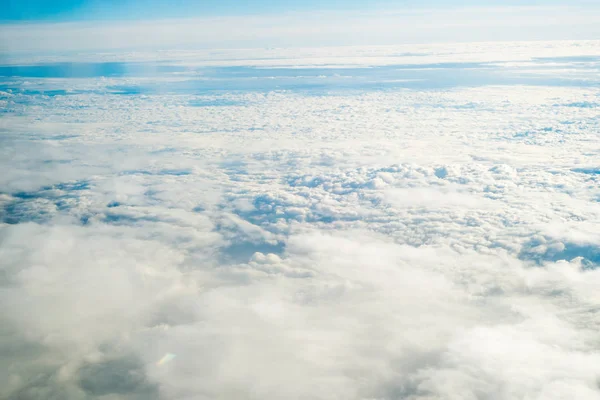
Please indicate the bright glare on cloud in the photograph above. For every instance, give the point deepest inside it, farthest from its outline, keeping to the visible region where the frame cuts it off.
(400, 222)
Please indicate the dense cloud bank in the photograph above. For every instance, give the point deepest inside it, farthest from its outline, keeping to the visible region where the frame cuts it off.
(367, 243)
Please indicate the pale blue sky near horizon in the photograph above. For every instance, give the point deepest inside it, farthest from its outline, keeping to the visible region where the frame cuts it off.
(81, 10)
(39, 26)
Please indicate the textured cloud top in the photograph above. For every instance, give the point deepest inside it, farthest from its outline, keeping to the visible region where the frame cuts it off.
(414, 222)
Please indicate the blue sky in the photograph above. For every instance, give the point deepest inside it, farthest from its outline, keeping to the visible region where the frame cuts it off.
(107, 25)
(74, 10)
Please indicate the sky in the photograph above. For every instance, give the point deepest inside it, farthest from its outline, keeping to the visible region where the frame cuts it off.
(60, 26)
(300, 200)
(70, 10)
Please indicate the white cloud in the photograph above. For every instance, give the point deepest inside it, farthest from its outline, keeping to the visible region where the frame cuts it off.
(397, 243)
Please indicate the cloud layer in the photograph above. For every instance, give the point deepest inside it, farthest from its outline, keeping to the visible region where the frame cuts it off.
(312, 241)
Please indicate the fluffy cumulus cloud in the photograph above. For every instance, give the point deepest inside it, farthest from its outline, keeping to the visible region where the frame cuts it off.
(375, 229)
